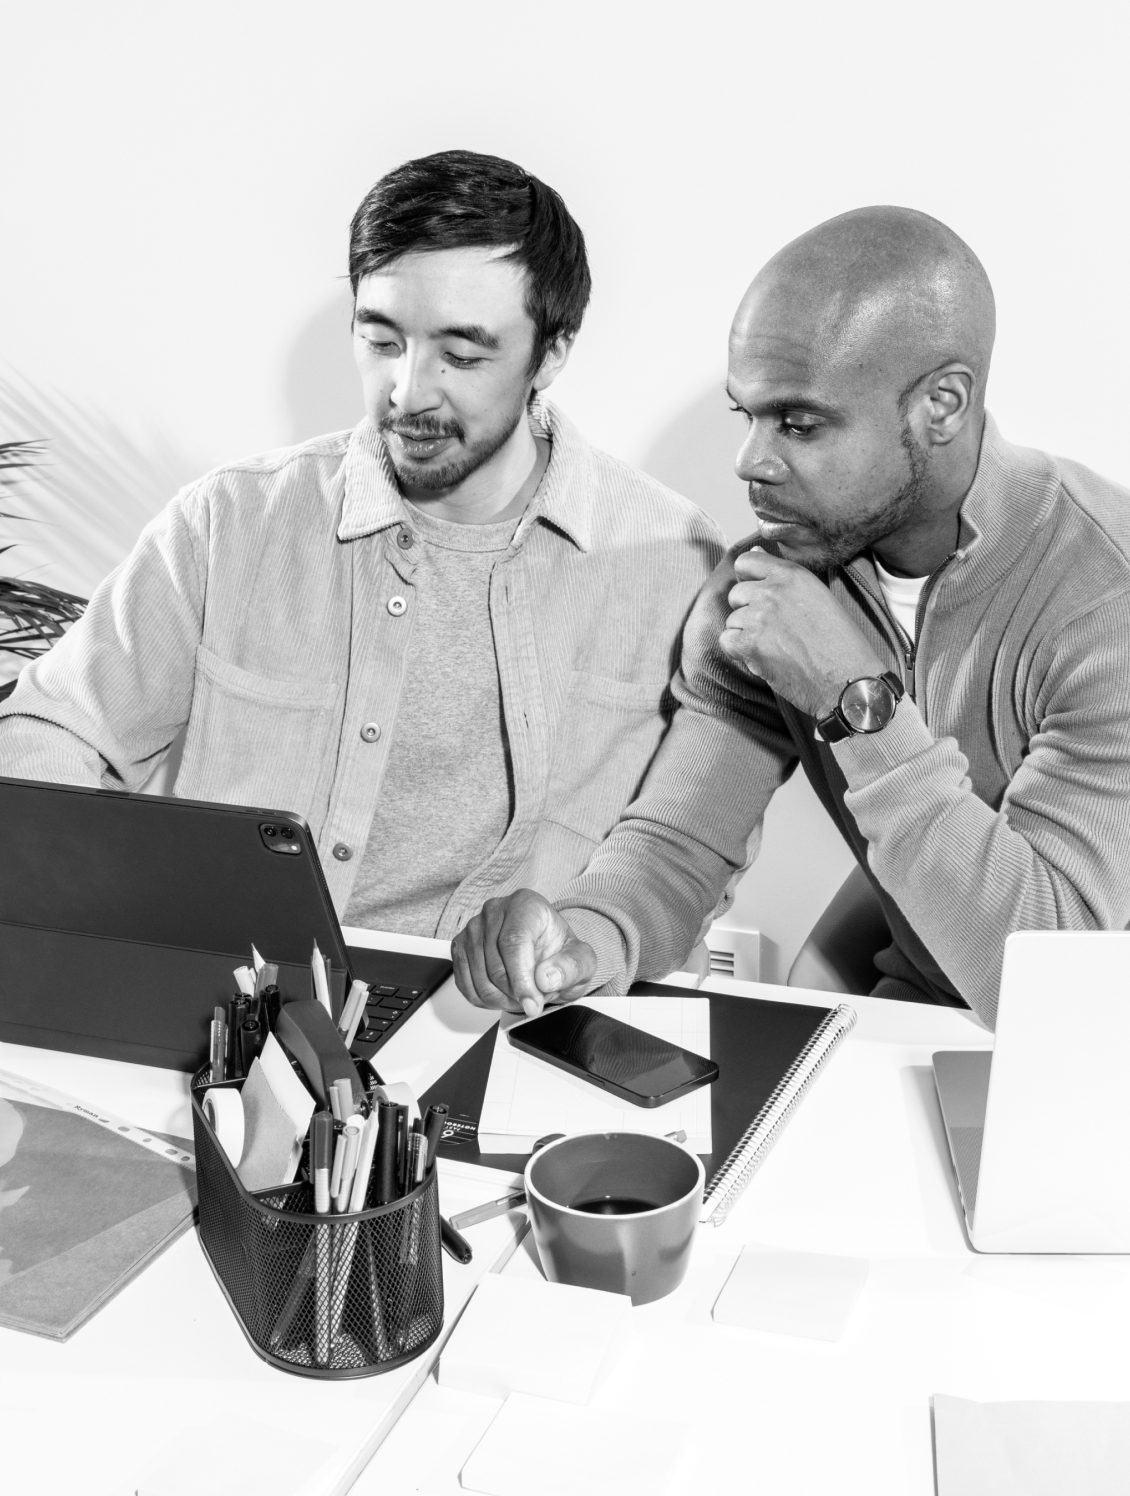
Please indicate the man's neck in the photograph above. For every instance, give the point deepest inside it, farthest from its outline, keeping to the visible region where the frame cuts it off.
(500, 490)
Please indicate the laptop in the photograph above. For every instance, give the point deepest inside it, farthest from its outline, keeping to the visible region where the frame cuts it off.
(1039, 1129)
(123, 916)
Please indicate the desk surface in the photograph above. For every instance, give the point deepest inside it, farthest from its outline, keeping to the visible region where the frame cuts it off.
(862, 1169)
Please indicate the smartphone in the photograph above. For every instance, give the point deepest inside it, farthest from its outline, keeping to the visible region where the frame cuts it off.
(633, 1065)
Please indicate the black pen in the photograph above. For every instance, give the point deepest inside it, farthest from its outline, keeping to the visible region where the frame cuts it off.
(386, 1160)
(435, 1120)
(453, 1244)
(402, 1150)
(237, 1017)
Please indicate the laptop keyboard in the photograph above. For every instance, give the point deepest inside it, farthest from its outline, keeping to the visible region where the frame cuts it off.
(398, 985)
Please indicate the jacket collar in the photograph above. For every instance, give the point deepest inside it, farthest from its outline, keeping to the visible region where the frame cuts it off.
(371, 501)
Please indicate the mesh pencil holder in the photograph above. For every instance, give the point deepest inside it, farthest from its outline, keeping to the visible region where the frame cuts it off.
(323, 1296)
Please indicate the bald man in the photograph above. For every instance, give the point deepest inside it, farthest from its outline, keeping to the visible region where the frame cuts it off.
(933, 623)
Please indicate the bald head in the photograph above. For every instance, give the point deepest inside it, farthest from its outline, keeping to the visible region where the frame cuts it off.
(887, 289)
(859, 355)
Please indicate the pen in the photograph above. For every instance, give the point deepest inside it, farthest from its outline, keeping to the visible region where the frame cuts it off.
(219, 1047)
(251, 1043)
(341, 1099)
(271, 999)
(453, 1244)
(488, 1211)
(402, 1150)
(237, 1017)
(245, 980)
(351, 1132)
(435, 1119)
(417, 1159)
(321, 1150)
(388, 1117)
(321, 1153)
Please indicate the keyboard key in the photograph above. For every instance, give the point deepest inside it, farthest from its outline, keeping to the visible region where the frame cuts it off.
(394, 1004)
(386, 991)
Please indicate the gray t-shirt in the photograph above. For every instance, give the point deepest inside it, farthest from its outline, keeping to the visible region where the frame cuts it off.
(446, 799)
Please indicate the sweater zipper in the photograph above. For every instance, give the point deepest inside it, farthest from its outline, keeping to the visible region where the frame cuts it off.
(908, 646)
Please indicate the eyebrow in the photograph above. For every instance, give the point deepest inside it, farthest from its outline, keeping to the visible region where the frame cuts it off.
(783, 403)
(468, 332)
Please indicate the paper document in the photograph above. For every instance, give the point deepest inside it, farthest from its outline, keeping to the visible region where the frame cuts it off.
(1031, 1448)
(527, 1098)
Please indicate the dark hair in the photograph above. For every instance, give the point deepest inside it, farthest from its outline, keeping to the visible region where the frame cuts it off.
(459, 199)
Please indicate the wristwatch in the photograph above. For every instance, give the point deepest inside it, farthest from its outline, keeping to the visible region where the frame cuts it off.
(865, 705)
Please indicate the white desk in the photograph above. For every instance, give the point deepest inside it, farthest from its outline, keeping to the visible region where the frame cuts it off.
(862, 1169)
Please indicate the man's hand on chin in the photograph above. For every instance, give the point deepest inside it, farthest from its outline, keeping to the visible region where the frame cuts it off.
(787, 628)
(517, 954)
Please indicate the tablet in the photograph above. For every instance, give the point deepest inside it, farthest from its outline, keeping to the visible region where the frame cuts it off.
(122, 917)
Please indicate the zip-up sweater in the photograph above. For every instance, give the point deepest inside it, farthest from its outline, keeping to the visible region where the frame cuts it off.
(998, 797)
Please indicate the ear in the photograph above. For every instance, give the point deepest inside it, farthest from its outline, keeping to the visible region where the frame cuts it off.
(556, 357)
(945, 403)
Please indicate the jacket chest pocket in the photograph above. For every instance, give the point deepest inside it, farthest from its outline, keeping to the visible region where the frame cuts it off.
(609, 732)
(256, 741)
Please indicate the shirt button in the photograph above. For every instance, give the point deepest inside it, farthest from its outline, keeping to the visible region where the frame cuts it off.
(397, 606)
(404, 539)
(342, 852)
(371, 732)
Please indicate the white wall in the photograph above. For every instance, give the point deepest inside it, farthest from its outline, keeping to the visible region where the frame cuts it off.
(178, 183)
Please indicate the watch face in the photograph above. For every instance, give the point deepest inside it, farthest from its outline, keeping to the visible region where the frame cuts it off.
(868, 705)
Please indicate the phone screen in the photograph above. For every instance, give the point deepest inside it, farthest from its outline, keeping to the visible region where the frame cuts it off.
(623, 1059)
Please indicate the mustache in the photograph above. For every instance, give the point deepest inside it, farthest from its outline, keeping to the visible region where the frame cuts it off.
(760, 493)
(423, 428)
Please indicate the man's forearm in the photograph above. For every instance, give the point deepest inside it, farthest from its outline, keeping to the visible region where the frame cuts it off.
(31, 748)
(964, 875)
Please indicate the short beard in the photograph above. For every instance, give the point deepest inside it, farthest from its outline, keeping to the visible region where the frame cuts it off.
(455, 471)
(841, 543)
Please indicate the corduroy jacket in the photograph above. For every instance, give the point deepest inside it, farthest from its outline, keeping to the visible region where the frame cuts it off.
(269, 608)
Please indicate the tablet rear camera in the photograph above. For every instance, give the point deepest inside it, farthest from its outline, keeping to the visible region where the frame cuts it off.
(279, 838)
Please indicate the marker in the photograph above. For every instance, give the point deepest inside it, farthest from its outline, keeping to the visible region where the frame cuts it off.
(388, 1118)
(417, 1159)
(364, 1162)
(252, 1038)
(453, 1244)
(488, 1211)
(245, 980)
(237, 1017)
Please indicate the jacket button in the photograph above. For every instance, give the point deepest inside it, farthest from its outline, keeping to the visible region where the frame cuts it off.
(371, 732)
(397, 606)
(342, 852)
(404, 539)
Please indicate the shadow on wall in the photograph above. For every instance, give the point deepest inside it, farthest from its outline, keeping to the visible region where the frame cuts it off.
(694, 454)
(323, 390)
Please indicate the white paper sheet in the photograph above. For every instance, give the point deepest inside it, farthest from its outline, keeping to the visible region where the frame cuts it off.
(536, 1447)
(526, 1098)
(809, 1294)
(527, 1335)
(1031, 1448)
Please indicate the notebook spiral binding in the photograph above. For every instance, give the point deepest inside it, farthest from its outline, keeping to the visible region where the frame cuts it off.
(749, 1153)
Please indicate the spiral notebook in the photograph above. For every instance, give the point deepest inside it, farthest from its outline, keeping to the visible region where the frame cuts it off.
(768, 1054)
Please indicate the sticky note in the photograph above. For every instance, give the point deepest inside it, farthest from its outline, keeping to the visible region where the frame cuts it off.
(1030, 1448)
(527, 1335)
(540, 1448)
(806, 1294)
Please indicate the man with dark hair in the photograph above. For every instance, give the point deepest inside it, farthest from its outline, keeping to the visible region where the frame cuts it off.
(935, 624)
(444, 638)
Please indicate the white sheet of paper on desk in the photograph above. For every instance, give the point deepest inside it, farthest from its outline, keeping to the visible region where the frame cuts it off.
(527, 1098)
(536, 1447)
(808, 1294)
(1031, 1448)
(527, 1335)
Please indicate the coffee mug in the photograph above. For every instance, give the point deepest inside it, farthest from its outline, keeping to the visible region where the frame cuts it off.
(615, 1211)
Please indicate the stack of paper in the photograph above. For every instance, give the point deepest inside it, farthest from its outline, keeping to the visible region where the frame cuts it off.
(527, 1098)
